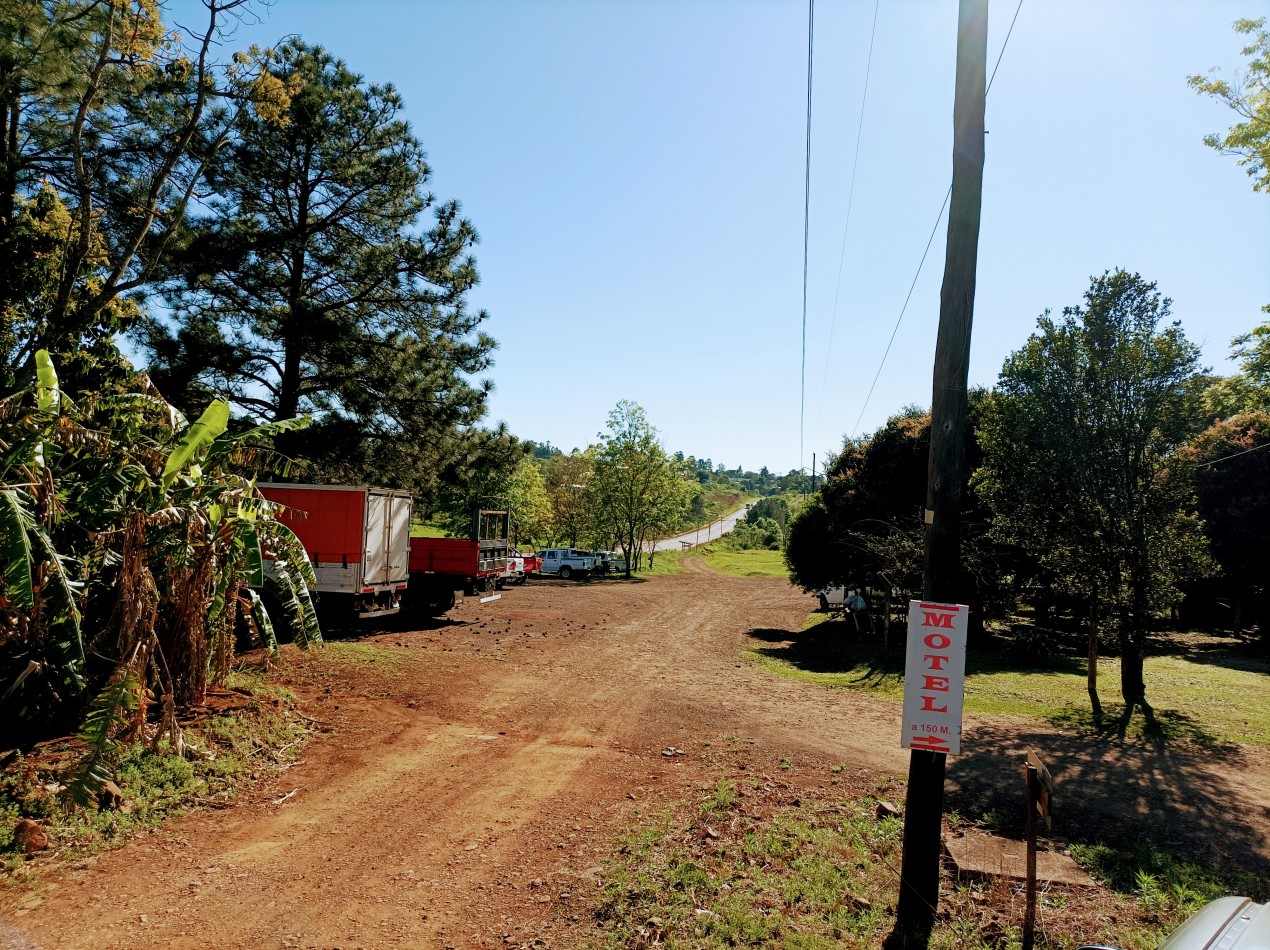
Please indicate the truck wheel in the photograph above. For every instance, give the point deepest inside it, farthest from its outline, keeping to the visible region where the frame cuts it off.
(440, 601)
(566, 572)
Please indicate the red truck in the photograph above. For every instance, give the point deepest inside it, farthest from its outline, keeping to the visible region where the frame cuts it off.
(442, 567)
(358, 540)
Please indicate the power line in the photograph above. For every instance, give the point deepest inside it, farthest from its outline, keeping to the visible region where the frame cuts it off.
(855, 162)
(933, 230)
(896, 329)
(1255, 448)
(802, 392)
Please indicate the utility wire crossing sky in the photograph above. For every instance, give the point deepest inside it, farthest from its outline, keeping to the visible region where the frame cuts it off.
(636, 172)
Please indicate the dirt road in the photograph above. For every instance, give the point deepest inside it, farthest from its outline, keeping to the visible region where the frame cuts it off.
(465, 793)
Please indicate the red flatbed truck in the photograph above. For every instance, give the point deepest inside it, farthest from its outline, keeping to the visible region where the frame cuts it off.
(358, 539)
(440, 568)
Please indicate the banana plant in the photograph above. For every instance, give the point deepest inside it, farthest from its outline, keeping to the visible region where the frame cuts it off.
(126, 530)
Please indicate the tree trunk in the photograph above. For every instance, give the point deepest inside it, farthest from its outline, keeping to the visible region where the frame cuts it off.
(1132, 685)
(1093, 658)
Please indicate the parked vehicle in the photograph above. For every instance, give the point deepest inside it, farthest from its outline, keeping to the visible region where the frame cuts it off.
(358, 539)
(567, 562)
(441, 568)
(520, 567)
(1229, 923)
(610, 562)
(832, 598)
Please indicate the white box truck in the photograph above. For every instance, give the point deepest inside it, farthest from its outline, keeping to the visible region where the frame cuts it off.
(357, 538)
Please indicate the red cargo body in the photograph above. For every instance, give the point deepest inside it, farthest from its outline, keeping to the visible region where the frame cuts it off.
(357, 539)
(442, 567)
(457, 556)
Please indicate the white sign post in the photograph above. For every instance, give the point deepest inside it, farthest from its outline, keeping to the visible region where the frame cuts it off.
(934, 676)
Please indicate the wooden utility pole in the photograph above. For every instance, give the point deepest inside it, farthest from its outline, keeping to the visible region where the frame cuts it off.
(943, 579)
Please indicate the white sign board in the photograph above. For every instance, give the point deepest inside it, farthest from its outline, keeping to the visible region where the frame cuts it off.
(934, 676)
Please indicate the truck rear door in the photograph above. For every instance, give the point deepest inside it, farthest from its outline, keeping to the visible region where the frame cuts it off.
(402, 505)
(378, 537)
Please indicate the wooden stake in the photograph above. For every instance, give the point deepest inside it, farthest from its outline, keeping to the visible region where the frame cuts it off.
(1029, 913)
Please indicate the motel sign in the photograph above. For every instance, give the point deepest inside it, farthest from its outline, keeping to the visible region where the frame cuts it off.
(934, 676)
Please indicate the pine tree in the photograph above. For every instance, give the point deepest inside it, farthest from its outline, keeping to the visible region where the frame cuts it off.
(309, 286)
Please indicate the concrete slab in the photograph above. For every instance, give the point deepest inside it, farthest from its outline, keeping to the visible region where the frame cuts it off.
(978, 854)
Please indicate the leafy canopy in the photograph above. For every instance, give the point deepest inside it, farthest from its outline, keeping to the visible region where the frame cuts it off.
(1248, 94)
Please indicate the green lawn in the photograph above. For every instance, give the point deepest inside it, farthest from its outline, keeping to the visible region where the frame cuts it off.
(666, 562)
(425, 529)
(1205, 699)
(747, 563)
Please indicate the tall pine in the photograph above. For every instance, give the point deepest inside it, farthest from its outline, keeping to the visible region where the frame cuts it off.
(309, 283)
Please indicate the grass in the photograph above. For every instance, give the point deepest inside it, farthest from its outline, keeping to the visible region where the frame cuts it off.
(426, 529)
(664, 564)
(721, 878)
(747, 563)
(733, 563)
(1204, 702)
(758, 862)
(352, 653)
(235, 745)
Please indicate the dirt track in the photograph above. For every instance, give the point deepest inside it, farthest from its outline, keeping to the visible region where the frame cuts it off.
(467, 796)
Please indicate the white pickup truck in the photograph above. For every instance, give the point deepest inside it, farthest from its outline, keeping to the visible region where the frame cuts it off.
(567, 562)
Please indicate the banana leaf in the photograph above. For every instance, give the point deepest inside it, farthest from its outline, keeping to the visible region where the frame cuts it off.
(108, 712)
(298, 613)
(198, 437)
(261, 433)
(61, 614)
(15, 521)
(254, 567)
(49, 396)
(260, 617)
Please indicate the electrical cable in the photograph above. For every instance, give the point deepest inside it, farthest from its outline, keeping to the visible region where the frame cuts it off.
(1255, 448)
(933, 231)
(855, 163)
(802, 393)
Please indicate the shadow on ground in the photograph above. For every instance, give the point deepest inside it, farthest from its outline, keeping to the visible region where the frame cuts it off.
(1174, 786)
(1179, 797)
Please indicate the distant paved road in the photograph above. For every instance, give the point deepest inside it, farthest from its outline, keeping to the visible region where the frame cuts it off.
(711, 532)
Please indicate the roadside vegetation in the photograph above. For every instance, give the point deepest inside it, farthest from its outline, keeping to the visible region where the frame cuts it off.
(1211, 688)
(245, 731)
(759, 860)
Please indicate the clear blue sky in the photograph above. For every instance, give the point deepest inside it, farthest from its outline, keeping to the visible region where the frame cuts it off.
(635, 170)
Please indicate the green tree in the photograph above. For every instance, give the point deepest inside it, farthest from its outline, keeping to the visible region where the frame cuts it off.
(1248, 94)
(308, 286)
(640, 494)
(1232, 470)
(527, 500)
(864, 524)
(1247, 390)
(568, 483)
(107, 119)
(1080, 460)
(773, 507)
